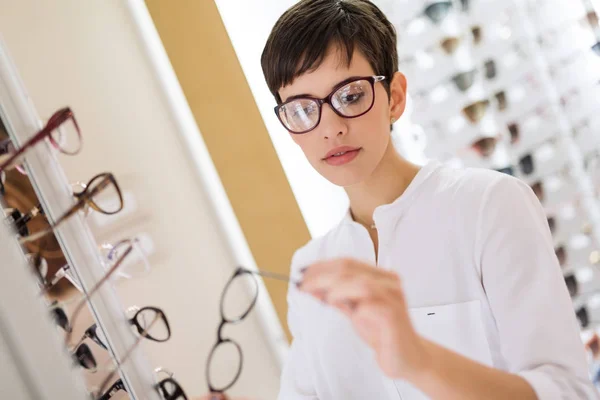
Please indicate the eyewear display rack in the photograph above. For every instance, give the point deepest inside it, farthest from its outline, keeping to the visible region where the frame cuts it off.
(34, 363)
(77, 243)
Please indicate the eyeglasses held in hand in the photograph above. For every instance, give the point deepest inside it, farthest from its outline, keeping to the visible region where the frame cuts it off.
(226, 354)
(61, 130)
(102, 193)
(349, 99)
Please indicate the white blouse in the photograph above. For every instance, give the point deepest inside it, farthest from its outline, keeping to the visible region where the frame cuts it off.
(480, 276)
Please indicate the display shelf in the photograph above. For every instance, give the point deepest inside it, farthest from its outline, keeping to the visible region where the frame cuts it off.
(34, 363)
(74, 236)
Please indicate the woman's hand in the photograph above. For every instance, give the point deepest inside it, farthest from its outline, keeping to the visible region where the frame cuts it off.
(374, 301)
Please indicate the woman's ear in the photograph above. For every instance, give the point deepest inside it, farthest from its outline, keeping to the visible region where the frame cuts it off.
(397, 95)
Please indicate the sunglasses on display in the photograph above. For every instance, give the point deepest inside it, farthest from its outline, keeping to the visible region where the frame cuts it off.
(551, 224)
(475, 112)
(583, 317)
(448, 44)
(435, 12)
(506, 170)
(561, 255)
(61, 130)
(514, 132)
(351, 98)
(83, 357)
(102, 193)
(451, 43)
(485, 146)
(115, 388)
(464, 80)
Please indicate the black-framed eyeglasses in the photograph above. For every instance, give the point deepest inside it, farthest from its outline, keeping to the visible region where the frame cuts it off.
(151, 323)
(226, 354)
(115, 388)
(61, 129)
(170, 389)
(102, 193)
(507, 170)
(561, 255)
(88, 295)
(96, 335)
(583, 316)
(351, 98)
(83, 357)
(526, 164)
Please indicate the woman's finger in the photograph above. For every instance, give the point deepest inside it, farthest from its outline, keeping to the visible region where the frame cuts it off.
(359, 288)
(323, 275)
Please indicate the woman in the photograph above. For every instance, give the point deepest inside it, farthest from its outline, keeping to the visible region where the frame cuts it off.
(438, 283)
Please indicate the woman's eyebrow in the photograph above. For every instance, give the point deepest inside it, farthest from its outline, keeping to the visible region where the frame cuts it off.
(333, 87)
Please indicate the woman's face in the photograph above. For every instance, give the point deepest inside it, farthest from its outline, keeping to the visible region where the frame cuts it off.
(366, 137)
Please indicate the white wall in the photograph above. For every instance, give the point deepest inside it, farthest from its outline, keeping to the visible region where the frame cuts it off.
(86, 54)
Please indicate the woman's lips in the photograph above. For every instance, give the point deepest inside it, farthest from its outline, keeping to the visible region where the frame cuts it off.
(345, 158)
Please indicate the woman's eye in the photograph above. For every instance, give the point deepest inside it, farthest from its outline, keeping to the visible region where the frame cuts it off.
(303, 111)
(352, 98)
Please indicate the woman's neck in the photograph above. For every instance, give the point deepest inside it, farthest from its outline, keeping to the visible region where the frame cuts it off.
(388, 181)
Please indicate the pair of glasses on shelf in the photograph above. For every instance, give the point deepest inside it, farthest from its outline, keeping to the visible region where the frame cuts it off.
(136, 264)
(167, 387)
(475, 111)
(62, 132)
(226, 354)
(449, 44)
(462, 81)
(102, 193)
(140, 319)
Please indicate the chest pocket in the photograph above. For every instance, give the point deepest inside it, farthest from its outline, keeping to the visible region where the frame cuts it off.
(458, 327)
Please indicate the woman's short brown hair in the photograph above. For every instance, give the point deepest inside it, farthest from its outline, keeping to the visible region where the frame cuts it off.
(303, 34)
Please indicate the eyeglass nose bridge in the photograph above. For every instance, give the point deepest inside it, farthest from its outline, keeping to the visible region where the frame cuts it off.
(328, 100)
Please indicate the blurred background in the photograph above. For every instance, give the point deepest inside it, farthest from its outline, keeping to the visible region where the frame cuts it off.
(169, 96)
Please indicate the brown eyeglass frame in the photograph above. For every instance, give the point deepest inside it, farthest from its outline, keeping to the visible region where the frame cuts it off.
(56, 120)
(327, 100)
(83, 198)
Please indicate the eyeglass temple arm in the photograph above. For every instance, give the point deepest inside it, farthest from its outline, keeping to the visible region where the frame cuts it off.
(95, 288)
(273, 275)
(76, 207)
(127, 354)
(6, 162)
